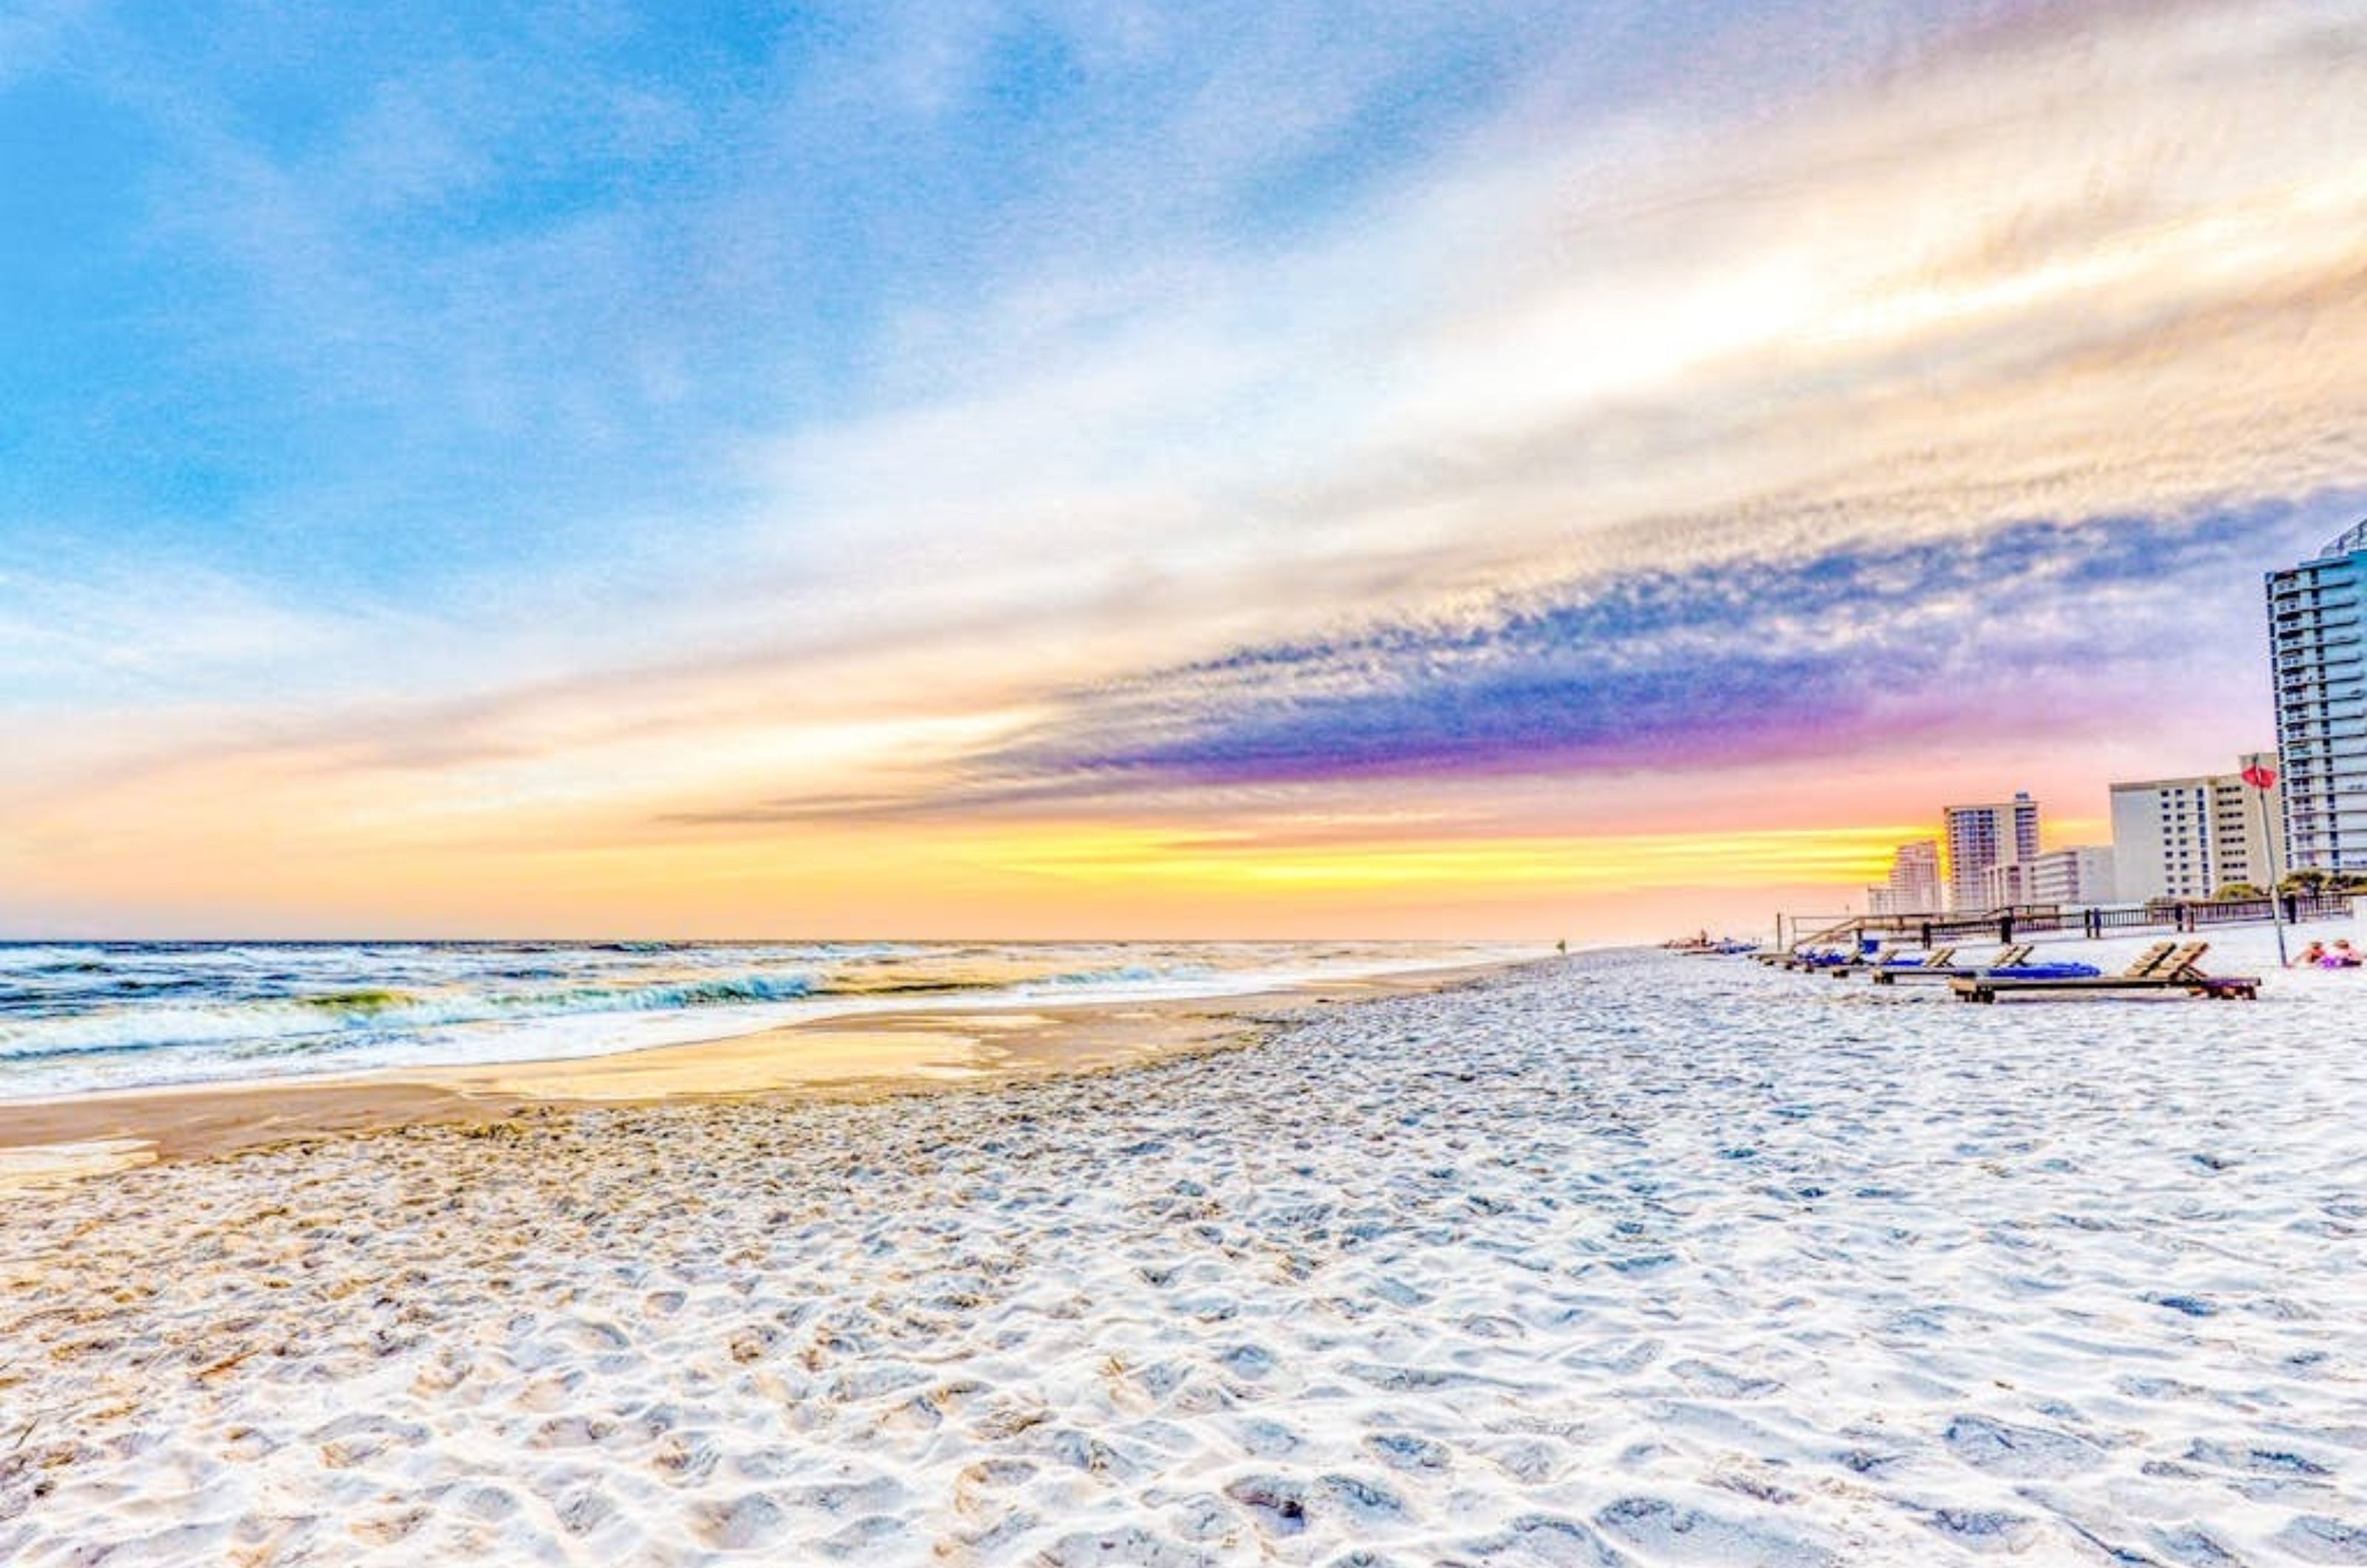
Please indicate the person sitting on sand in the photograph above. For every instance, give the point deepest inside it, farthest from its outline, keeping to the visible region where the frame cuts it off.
(2312, 956)
(2342, 955)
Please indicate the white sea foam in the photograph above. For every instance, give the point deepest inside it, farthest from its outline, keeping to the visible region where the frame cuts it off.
(72, 1020)
(1632, 1259)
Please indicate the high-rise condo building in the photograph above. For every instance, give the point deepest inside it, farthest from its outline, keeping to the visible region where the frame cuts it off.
(1914, 884)
(2315, 629)
(2188, 837)
(1979, 837)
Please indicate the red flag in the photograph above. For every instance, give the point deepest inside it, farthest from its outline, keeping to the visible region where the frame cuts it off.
(2259, 777)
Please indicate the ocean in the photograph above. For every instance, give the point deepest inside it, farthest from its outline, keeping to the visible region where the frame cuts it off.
(79, 1016)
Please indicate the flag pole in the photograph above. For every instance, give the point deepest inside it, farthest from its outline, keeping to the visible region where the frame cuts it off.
(2262, 780)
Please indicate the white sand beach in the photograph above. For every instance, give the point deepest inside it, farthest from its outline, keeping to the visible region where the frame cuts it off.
(1626, 1258)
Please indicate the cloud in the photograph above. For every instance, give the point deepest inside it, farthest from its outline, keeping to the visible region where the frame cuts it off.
(2083, 266)
(2028, 629)
(789, 334)
(73, 630)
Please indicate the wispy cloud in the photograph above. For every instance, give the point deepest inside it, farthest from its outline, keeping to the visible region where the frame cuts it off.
(1248, 419)
(2016, 633)
(1907, 311)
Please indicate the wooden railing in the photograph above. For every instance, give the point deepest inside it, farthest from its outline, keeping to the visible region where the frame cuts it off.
(2090, 921)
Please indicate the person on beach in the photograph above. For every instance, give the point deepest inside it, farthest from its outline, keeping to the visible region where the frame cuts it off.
(2342, 955)
(2312, 956)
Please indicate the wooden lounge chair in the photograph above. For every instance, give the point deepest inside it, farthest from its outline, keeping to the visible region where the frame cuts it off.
(1892, 963)
(1935, 969)
(2162, 968)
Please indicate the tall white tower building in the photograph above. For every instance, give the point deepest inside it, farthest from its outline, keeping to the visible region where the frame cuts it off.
(1979, 837)
(2315, 612)
(1913, 888)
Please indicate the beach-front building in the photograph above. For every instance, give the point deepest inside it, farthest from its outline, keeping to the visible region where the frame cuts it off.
(2315, 615)
(1979, 837)
(1913, 888)
(2004, 886)
(2075, 875)
(2080, 874)
(2187, 838)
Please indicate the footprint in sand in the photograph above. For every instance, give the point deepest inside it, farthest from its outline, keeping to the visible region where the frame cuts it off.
(2029, 1453)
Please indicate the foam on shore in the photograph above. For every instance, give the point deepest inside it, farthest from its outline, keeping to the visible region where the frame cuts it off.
(1630, 1259)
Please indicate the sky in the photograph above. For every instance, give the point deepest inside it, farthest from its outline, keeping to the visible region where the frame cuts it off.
(1080, 469)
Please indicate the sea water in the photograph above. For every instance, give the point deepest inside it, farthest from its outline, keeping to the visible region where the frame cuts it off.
(76, 1016)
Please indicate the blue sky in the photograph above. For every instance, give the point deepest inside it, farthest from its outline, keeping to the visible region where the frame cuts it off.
(559, 258)
(614, 436)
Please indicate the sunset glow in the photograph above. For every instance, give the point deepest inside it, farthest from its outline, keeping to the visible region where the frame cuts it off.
(1536, 471)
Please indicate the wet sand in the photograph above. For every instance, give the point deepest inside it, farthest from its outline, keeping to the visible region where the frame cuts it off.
(922, 1049)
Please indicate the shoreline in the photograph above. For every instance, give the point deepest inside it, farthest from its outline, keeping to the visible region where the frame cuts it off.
(916, 1050)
